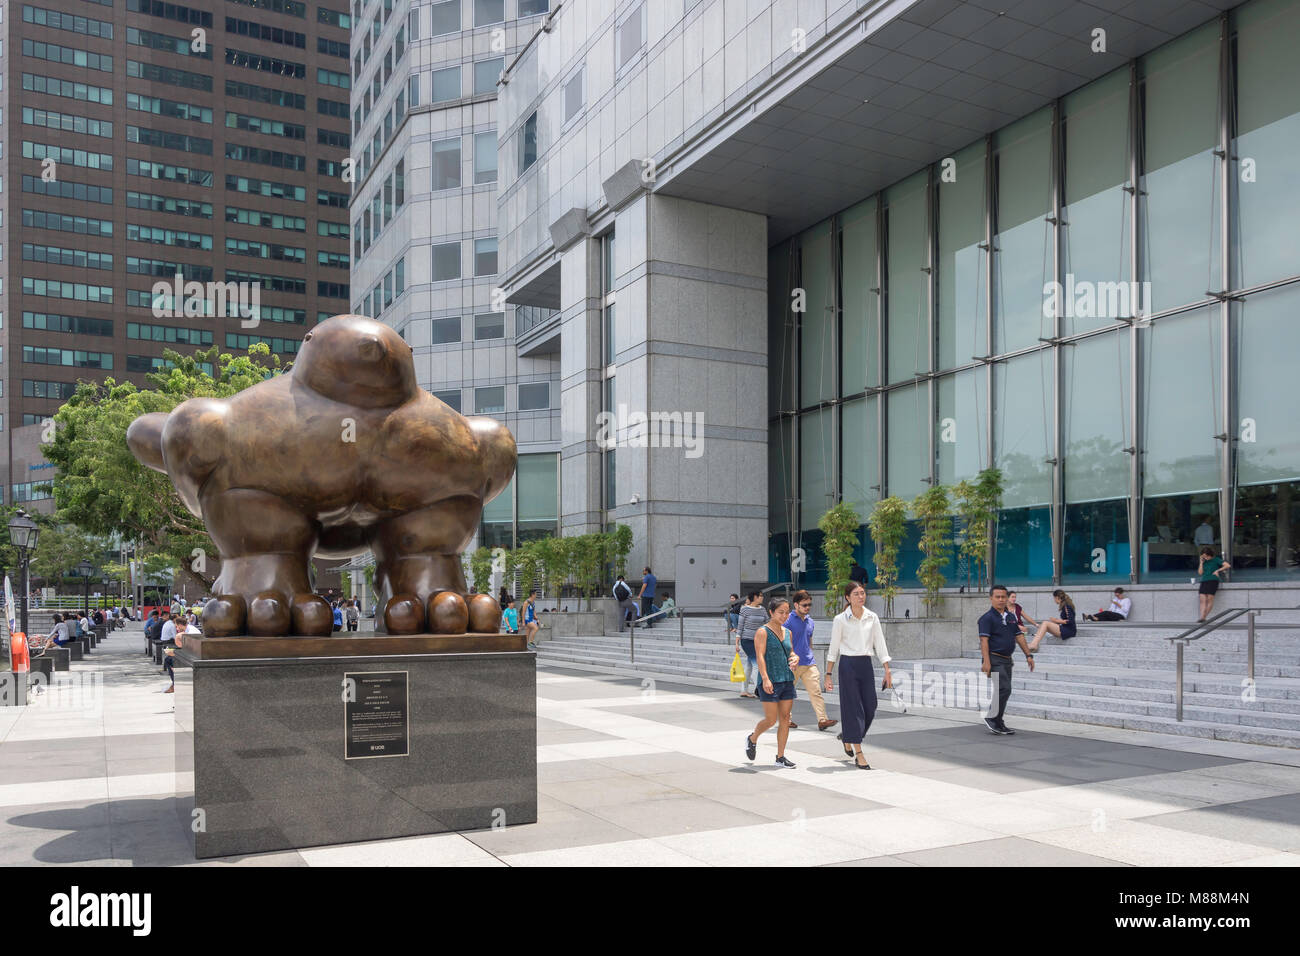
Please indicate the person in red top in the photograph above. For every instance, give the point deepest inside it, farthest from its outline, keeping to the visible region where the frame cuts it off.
(1021, 617)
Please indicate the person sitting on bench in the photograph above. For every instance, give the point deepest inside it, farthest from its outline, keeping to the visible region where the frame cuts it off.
(61, 633)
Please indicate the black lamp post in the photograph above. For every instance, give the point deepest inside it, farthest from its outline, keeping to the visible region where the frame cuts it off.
(23, 533)
(84, 569)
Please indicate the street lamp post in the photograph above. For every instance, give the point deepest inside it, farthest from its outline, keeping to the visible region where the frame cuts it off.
(23, 533)
(84, 569)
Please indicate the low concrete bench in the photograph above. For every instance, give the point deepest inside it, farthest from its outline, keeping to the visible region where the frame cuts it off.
(43, 665)
(60, 657)
(76, 650)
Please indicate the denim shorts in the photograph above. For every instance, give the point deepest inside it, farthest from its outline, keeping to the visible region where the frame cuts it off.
(781, 690)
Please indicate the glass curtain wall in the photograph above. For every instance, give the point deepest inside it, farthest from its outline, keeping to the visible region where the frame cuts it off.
(1095, 389)
(1266, 142)
(860, 363)
(963, 269)
(1266, 520)
(1266, 179)
(1180, 453)
(1179, 198)
(1022, 243)
(782, 378)
(1096, 263)
(1160, 382)
(1023, 430)
(528, 508)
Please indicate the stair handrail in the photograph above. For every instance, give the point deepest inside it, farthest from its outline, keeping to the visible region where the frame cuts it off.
(678, 609)
(1209, 626)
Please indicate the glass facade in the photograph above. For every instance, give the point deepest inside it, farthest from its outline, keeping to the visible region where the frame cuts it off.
(528, 508)
(1051, 300)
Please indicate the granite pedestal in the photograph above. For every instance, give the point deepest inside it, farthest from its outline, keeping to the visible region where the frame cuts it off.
(75, 650)
(60, 656)
(101, 630)
(265, 723)
(43, 664)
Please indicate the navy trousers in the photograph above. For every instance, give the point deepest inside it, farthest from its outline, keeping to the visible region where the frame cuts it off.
(857, 681)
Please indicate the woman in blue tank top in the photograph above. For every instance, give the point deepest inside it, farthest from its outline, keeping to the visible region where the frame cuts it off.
(776, 657)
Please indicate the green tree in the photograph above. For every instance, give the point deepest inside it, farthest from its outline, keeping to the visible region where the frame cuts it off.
(103, 490)
(933, 511)
(978, 503)
(622, 547)
(480, 565)
(60, 548)
(590, 553)
(839, 528)
(888, 525)
(553, 555)
(527, 561)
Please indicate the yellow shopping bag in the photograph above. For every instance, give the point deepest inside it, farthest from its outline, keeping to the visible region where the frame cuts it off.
(737, 670)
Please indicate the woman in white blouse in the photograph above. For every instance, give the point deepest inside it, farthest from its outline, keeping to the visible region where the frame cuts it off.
(856, 637)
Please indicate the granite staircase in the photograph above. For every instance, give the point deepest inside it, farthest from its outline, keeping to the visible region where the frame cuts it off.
(1117, 675)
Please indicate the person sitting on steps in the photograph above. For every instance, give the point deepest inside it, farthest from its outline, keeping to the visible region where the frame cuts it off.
(1063, 627)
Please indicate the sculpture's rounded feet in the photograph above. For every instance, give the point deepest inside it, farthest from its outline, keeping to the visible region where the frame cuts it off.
(311, 616)
(448, 613)
(404, 614)
(268, 614)
(225, 616)
(484, 614)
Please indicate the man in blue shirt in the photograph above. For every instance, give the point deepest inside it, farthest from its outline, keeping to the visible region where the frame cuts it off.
(647, 593)
(999, 634)
(800, 624)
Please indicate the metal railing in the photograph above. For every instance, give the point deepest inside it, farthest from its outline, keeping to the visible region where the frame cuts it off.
(677, 609)
(1209, 626)
(681, 610)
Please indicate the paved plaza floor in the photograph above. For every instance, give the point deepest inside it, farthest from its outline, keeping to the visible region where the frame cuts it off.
(639, 771)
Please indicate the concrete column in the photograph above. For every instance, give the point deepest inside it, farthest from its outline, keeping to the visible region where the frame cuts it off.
(580, 388)
(691, 334)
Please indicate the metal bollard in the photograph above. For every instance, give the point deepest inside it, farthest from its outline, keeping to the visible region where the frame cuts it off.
(1178, 680)
(681, 627)
(1250, 643)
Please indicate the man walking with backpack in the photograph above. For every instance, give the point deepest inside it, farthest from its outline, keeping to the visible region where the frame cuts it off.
(626, 606)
